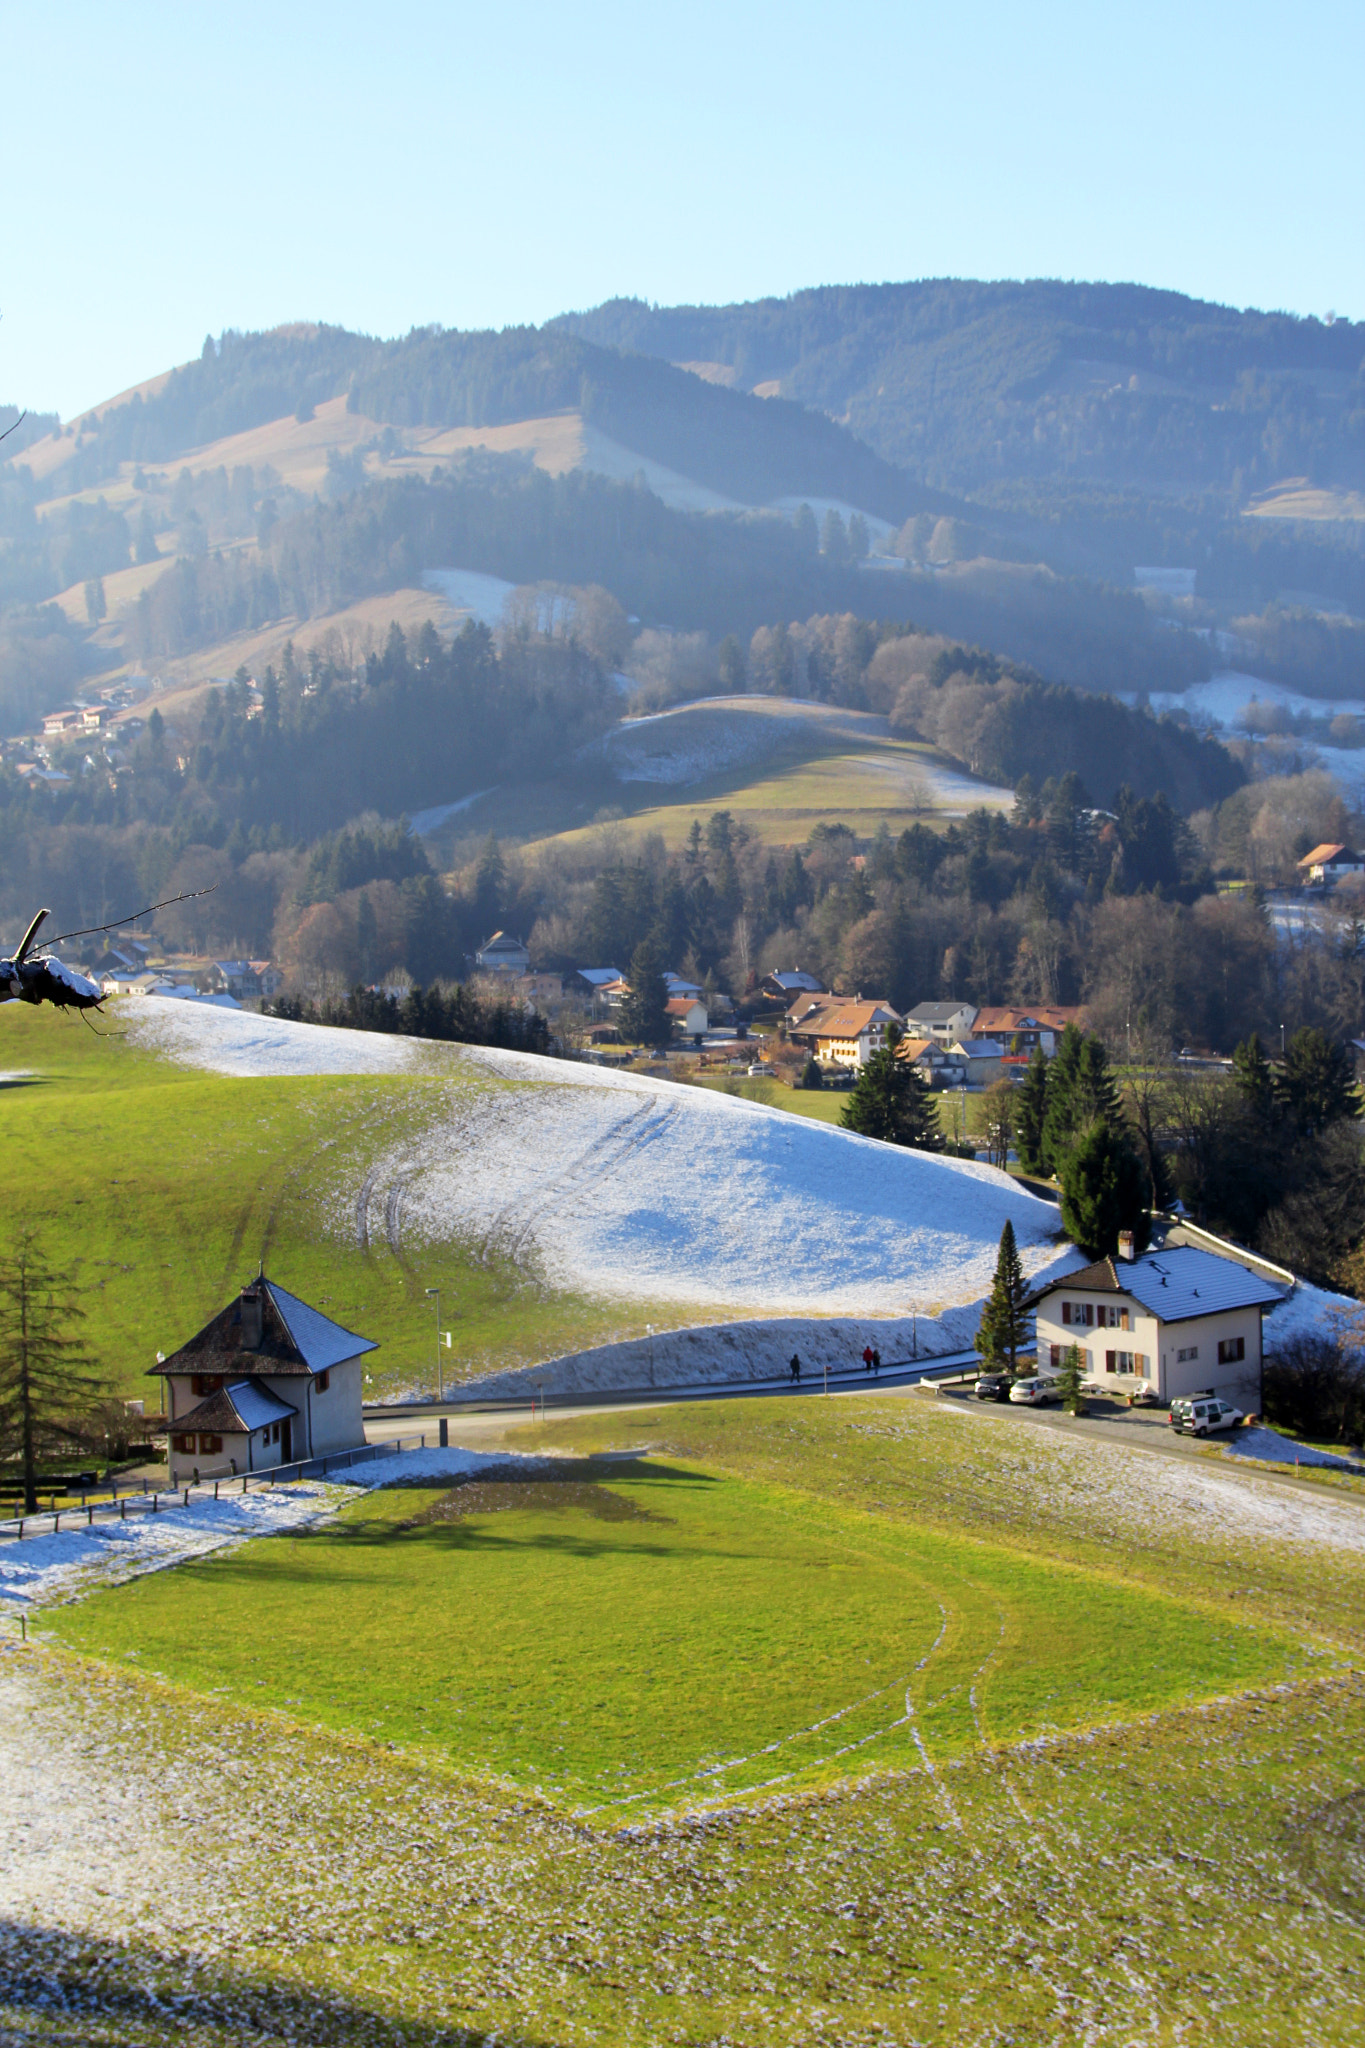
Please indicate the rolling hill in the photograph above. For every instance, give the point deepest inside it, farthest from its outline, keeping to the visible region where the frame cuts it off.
(557, 1206)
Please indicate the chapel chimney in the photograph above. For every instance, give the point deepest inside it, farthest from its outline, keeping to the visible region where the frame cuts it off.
(250, 1309)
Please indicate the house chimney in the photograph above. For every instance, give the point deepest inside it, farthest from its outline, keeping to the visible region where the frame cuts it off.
(250, 1310)
(1126, 1245)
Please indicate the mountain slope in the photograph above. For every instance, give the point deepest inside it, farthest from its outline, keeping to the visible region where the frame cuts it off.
(965, 383)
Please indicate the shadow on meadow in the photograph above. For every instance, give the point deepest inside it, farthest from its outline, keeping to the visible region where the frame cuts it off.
(57, 1989)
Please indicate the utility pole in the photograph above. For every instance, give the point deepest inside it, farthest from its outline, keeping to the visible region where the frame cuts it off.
(440, 1375)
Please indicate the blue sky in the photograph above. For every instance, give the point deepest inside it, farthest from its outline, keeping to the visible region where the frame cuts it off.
(172, 170)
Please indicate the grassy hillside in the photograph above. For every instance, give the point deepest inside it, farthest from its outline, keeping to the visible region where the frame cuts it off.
(161, 1189)
(556, 1207)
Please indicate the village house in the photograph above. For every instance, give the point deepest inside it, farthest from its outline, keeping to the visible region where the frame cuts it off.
(841, 1033)
(785, 985)
(943, 1022)
(979, 1061)
(590, 981)
(933, 1062)
(502, 954)
(1019, 1031)
(1328, 863)
(234, 978)
(689, 1017)
(270, 1381)
(1182, 1320)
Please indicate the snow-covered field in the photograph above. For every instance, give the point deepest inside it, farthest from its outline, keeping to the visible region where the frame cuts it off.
(626, 1187)
(470, 590)
(48, 1568)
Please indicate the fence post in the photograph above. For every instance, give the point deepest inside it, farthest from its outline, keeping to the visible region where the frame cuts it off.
(215, 1489)
(89, 1517)
(154, 1500)
(123, 1510)
(56, 1520)
(187, 1497)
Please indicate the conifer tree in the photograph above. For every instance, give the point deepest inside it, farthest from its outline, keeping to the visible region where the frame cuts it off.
(1314, 1084)
(1060, 1125)
(1254, 1076)
(47, 1385)
(1030, 1113)
(892, 1101)
(644, 1013)
(1068, 1380)
(1003, 1319)
(1104, 1191)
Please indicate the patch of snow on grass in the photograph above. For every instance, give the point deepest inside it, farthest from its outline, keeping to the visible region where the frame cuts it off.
(46, 1567)
(1268, 1444)
(1115, 1488)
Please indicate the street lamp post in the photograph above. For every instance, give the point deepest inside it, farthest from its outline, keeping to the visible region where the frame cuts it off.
(440, 1375)
(650, 1329)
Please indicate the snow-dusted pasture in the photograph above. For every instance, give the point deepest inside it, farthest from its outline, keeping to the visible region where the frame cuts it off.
(622, 1186)
(720, 735)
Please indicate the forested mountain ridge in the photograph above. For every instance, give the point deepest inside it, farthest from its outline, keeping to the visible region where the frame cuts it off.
(738, 445)
(965, 383)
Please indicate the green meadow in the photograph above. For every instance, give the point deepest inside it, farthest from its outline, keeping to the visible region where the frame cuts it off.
(663, 1637)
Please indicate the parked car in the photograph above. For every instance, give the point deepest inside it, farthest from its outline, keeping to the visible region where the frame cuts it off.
(1033, 1393)
(759, 1072)
(1200, 1414)
(993, 1386)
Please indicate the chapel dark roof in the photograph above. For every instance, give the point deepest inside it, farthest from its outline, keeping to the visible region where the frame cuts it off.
(294, 1339)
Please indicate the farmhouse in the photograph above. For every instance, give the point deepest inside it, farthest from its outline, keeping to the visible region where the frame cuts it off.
(502, 954)
(269, 1381)
(841, 1033)
(1186, 1321)
(1019, 1031)
(1328, 863)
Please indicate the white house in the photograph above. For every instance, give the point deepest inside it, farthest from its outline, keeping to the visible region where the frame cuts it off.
(688, 1016)
(1185, 1321)
(502, 954)
(945, 1023)
(270, 1381)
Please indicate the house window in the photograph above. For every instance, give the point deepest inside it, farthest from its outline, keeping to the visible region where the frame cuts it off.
(206, 1382)
(1191, 1351)
(1081, 1314)
(274, 1432)
(322, 1382)
(208, 1442)
(1109, 1318)
(183, 1443)
(1118, 1361)
(1231, 1349)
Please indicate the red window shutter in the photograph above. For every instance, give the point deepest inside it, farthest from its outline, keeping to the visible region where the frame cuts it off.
(1066, 1314)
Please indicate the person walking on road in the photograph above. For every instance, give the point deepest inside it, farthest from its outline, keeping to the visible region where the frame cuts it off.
(795, 1370)
(876, 1363)
(867, 1358)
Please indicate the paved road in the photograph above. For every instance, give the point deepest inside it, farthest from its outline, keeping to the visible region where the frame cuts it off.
(1144, 1430)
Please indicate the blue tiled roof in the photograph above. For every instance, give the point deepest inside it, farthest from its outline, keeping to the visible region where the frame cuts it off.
(1173, 1285)
(320, 1341)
